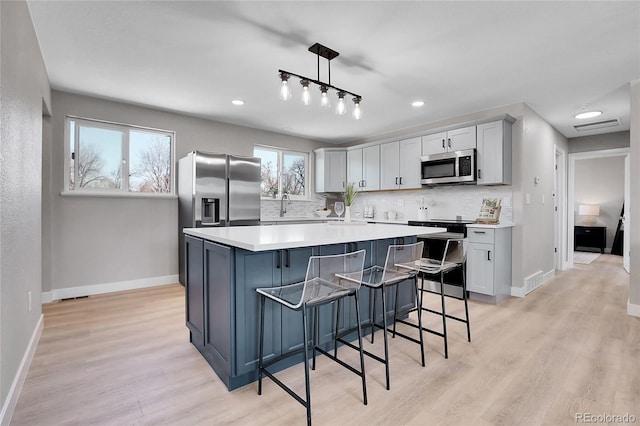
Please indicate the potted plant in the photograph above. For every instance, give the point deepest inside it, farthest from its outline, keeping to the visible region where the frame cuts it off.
(349, 195)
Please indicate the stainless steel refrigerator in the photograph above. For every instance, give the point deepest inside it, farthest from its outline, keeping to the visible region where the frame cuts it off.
(216, 190)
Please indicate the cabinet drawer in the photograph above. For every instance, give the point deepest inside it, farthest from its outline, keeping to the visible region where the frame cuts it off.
(480, 235)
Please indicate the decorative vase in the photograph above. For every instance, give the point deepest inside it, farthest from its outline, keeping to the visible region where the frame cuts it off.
(347, 213)
(422, 214)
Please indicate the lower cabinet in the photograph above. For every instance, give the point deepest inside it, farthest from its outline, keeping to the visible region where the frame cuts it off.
(194, 290)
(489, 261)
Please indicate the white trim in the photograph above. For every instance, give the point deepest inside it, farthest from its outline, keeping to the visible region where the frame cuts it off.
(21, 375)
(88, 290)
(103, 194)
(571, 189)
(561, 203)
(548, 276)
(517, 292)
(633, 310)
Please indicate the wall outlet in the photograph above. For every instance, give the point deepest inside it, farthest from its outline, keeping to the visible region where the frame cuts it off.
(30, 301)
(400, 203)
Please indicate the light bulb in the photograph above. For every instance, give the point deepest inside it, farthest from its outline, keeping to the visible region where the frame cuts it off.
(357, 111)
(285, 91)
(306, 95)
(324, 99)
(341, 108)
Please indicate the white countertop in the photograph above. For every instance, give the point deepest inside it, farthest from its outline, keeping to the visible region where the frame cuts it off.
(485, 225)
(261, 238)
(296, 218)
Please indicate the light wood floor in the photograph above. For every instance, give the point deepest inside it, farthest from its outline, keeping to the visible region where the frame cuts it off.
(567, 348)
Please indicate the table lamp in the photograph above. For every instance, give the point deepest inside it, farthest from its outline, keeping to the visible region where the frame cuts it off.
(589, 212)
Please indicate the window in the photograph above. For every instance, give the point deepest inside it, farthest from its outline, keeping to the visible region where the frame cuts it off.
(118, 159)
(283, 172)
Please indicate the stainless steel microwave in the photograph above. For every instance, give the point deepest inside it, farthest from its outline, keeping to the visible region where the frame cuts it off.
(448, 167)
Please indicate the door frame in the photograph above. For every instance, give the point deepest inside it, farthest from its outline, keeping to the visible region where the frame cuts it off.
(560, 202)
(616, 152)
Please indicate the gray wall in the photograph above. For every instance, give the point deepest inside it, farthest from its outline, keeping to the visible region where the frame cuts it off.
(536, 159)
(600, 181)
(104, 240)
(24, 88)
(598, 142)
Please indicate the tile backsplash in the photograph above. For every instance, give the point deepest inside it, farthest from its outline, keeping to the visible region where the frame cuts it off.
(443, 202)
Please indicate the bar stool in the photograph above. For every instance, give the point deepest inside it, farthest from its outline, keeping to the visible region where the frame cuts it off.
(453, 258)
(399, 266)
(328, 278)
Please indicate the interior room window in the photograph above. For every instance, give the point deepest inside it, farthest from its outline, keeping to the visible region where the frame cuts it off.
(283, 172)
(118, 159)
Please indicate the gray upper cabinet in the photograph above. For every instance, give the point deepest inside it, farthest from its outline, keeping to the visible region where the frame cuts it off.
(400, 164)
(363, 167)
(493, 159)
(331, 169)
(452, 140)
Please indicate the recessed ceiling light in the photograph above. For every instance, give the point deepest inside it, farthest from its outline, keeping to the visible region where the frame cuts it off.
(237, 102)
(588, 114)
(417, 104)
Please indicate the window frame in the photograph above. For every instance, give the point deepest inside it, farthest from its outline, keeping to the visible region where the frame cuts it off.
(123, 191)
(281, 153)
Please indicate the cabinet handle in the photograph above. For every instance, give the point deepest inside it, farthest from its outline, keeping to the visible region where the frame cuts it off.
(288, 258)
(396, 180)
(449, 142)
(479, 232)
(479, 173)
(442, 143)
(343, 184)
(489, 255)
(401, 180)
(278, 263)
(364, 183)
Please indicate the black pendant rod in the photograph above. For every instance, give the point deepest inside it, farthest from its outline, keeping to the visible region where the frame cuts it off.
(320, 83)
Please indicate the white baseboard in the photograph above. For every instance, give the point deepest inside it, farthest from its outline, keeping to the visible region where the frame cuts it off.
(632, 309)
(21, 375)
(518, 292)
(89, 290)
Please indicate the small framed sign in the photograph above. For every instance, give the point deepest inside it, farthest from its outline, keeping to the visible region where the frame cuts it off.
(489, 211)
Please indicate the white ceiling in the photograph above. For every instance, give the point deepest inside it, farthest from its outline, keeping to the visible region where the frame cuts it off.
(459, 57)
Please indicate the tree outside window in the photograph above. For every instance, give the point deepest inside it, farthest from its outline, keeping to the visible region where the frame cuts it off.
(109, 157)
(282, 172)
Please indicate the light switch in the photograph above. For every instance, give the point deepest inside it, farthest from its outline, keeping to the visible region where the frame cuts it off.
(527, 199)
(542, 199)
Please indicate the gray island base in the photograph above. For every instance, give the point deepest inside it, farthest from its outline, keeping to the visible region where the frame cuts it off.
(224, 266)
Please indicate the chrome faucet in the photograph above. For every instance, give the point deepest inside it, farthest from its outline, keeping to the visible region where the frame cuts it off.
(283, 206)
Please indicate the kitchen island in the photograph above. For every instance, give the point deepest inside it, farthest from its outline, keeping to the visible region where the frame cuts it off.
(225, 265)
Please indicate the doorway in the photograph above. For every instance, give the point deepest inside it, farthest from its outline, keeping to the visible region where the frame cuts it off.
(559, 209)
(621, 153)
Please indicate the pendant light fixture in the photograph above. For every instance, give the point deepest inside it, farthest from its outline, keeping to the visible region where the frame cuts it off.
(305, 96)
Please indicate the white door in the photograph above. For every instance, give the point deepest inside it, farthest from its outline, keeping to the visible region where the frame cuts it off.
(480, 268)
(459, 139)
(354, 167)
(389, 164)
(626, 247)
(371, 168)
(409, 163)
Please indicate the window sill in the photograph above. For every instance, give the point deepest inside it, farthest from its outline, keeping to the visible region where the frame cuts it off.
(292, 199)
(97, 194)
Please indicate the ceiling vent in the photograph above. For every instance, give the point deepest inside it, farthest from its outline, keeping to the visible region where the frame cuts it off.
(597, 125)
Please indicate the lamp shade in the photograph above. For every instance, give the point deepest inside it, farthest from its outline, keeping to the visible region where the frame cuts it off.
(588, 210)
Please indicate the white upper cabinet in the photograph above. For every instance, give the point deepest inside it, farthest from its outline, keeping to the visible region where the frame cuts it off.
(363, 167)
(331, 169)
(371, 168)
(400, 164)
(493, 161)
(453, 140)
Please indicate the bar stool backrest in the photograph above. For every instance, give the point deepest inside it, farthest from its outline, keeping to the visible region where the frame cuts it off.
(340, 272)
(397, 255)
(455, 252)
